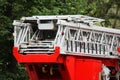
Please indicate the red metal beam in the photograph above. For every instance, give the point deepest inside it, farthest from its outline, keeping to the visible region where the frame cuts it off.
(37, 58)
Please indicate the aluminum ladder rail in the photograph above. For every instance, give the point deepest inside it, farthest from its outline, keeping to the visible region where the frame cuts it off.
(76, 34)
(88, 40)
(26, 40)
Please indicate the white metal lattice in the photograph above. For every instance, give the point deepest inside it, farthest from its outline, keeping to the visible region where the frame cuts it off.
(75, 34)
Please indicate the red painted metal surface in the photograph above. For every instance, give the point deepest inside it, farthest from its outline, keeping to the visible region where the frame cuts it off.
(83, 69)
(32, 72)
(31, 58)
(73, 68)
(118, 49)
(65, 67)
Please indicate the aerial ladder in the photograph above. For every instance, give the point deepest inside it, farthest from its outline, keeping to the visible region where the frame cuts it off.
(67, 47)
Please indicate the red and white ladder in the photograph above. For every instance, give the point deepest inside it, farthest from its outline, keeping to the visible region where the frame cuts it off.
(75, 34)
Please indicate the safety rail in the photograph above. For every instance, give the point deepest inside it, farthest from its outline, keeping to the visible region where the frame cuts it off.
(73, 33)
(81, 38)
(87, 48)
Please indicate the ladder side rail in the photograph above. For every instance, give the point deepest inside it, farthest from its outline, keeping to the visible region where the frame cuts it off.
(93, 50)
(99, 47)
(84, 26)
(64, 17)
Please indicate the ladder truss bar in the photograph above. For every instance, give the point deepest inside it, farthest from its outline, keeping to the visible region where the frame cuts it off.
(86, 27)
(100, 45)
(91, 55)
(63, 17)
(74, 34)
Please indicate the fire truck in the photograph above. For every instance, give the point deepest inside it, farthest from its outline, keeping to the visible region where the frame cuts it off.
(67, 47)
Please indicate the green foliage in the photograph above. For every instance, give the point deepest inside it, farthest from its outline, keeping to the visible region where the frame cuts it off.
(15, 9)
(19, 75)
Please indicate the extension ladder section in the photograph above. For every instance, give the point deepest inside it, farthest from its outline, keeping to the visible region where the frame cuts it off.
(67, 47)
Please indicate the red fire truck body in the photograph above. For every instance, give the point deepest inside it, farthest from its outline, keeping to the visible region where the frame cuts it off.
(67, 47)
